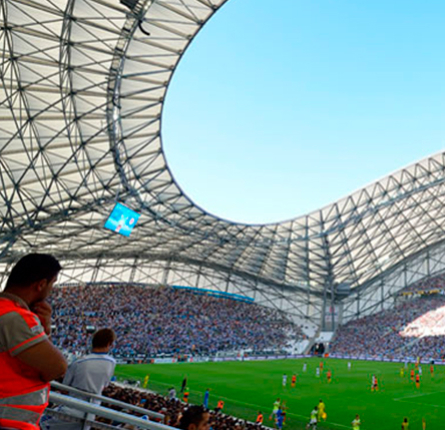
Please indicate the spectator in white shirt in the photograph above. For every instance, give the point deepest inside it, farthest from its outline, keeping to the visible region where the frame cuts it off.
(90, 373)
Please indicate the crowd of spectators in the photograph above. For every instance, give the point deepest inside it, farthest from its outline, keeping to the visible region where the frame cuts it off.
(434, 283)
(154, 321)
(172, 409)
(414, 328)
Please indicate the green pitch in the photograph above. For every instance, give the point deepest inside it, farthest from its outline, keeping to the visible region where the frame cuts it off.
(249, 387)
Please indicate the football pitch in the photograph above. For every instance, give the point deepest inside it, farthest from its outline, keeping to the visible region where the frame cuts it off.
(249, 387)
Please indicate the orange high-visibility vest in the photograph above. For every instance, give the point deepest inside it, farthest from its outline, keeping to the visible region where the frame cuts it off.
(220, 404)
(259, 419)
(23, 395)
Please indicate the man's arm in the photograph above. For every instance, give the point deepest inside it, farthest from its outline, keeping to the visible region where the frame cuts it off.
(46, 359)
(23, 337)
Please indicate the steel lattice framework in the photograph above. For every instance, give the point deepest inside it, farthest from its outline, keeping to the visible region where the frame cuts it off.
(81, 95)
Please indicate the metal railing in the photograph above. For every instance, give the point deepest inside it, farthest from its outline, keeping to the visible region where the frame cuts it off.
(108, 400)
(83, 409)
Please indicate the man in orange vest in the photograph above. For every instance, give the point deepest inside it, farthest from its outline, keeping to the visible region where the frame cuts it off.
(186, 395)
(259, 419)
(28, 359)
(219, 406)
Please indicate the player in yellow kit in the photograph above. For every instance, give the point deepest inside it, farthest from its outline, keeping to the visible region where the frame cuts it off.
(321, 410)
(146, 379)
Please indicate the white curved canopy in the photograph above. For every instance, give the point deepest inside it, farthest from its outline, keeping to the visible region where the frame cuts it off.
(81, 95)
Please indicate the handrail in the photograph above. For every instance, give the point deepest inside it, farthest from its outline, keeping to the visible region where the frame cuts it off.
(152, 414)
(101, 411)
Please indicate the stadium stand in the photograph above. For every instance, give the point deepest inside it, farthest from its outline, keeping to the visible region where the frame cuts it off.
(436, 283)
(414, 328)
(153, 321)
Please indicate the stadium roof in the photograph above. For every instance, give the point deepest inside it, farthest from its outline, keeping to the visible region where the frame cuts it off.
(82, 89)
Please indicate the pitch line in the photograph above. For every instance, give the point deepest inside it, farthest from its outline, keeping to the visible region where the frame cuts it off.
(422, 404)
(418, 395)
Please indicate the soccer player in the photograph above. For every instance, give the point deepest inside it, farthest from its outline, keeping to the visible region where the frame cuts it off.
(284, 380)
(304, 367)
(294, 380)
(259, 419)
(313, 421)
(423, 424)
(206, 398)
(329, 376)
(283, 411)
(145, 384)
(321, 366)
(276, 406)
(412, 375)
(317, 372)
(374, 383)
(280, 419)
(420, 370)
(405, 424)
(320, 408)
(402, 372)
(418, 381)
(432, 369)
(356, 423)
(349, 365)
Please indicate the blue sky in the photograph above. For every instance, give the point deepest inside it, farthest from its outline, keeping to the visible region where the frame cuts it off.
(280, 108)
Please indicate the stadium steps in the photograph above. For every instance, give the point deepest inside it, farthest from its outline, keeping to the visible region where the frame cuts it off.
(312, 341)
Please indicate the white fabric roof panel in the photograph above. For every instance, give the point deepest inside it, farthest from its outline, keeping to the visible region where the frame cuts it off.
(81, 97)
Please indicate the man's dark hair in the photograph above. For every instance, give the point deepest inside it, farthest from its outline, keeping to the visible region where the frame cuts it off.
(33, 268)
(103, 337)
(193, 415)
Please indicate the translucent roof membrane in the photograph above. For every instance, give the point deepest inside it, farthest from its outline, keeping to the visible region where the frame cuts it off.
(81, 96)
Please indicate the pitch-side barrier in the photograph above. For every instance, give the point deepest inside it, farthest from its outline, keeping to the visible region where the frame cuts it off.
(74, 410)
